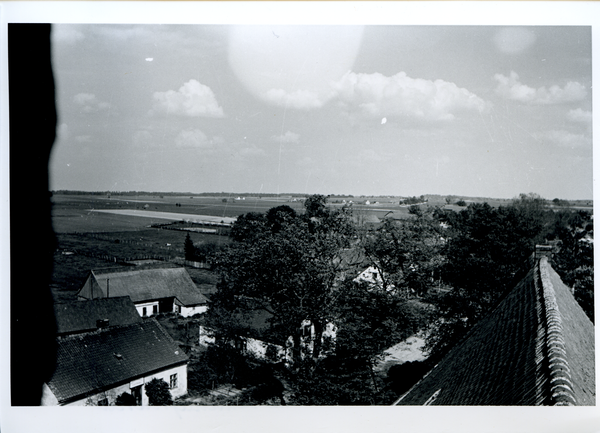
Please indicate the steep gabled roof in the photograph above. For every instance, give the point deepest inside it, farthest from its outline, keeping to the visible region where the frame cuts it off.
(96, 361)
(82, 316)
(143, 285)
(535, 348)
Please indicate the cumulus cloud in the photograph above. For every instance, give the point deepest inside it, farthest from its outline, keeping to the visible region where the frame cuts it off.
(299, 99)
(193, 99)
(565, 138)
(580, 116)
(399, 95)
(288, 137)
(193, 138)
(511, 88)
(88, 103)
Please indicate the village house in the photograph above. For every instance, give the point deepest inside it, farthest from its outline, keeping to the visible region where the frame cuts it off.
(536, 348)
(153, 290)
(254, 337)
(85, 316)
(95, 368)
(372, 277)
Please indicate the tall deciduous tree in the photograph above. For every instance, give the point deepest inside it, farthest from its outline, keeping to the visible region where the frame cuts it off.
(574, 260)
(406, 253)
(486, 252)
(369, 322)
(288, 265)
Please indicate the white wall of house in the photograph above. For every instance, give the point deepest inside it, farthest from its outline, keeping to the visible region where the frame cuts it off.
(205, 337)
(259, 348)
(371, 276)
(165, 375)
(190, 311)
(150, 307)
(49, 399)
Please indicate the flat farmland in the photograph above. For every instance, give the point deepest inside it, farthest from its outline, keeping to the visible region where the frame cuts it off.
(82, 213)
(90, 236)
(169, 216)
(94, 213)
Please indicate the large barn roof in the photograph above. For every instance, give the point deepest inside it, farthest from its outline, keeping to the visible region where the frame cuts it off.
(96, 361)
(535, 348)
(143, 285)
(82, 316)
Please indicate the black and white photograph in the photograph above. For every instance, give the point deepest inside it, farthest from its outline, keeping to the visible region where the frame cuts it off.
(234, 215)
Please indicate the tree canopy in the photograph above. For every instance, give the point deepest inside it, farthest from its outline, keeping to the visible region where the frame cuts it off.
(439, 272)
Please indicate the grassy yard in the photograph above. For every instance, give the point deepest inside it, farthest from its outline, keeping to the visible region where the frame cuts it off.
(77, 254)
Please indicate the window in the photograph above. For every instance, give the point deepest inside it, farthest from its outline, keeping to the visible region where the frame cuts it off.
(144, 313)
(154, 309)
(307, 330)
(173, 381)
(240, 344)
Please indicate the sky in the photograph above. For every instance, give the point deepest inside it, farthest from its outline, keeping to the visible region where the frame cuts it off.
(481, 111)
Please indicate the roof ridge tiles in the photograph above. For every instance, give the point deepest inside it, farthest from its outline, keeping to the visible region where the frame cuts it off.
(558, 365)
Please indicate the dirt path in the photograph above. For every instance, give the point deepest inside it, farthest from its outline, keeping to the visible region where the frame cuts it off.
(408, 350)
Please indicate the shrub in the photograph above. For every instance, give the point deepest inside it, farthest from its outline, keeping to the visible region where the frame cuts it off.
(158, 393)
(125, 399)
(272, 353)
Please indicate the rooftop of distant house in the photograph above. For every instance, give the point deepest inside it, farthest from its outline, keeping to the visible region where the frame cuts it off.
(143, 285)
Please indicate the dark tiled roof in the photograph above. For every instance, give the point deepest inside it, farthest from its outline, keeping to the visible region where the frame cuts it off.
(81, 316)
(144, 285)
(535, 348)
(89, 363)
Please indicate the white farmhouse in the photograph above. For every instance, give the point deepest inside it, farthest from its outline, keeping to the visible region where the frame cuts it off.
(153, 291)
(94, 368)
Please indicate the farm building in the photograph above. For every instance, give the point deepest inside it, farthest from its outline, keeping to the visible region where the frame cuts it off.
(155, 290)
(371, 276)
(85, 316)
(536, 348)
(94, 368)
(254, 336)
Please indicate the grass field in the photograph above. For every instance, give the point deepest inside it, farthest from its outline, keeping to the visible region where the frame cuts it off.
(84, 237)
(74, 213)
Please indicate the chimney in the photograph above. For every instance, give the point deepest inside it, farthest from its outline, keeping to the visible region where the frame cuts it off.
(102, 323)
